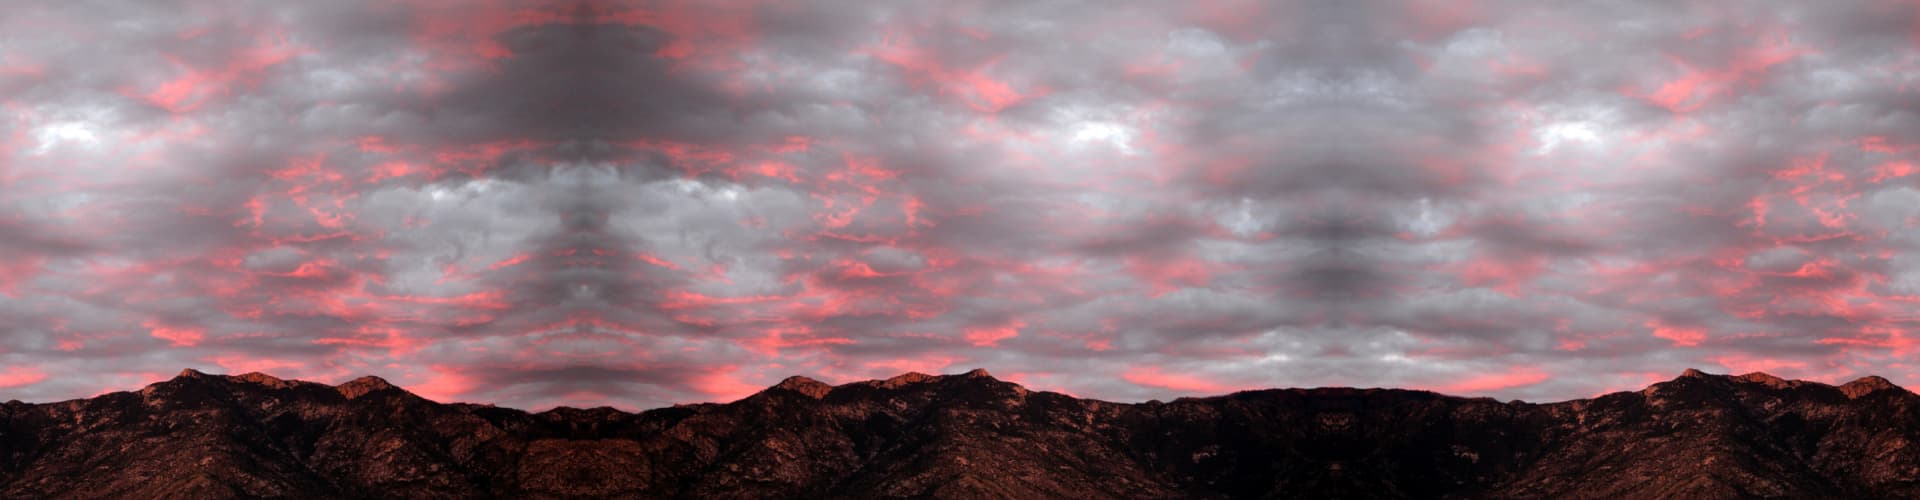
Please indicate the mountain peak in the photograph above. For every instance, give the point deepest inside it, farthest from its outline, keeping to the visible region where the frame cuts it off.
(811, 388)
(977, 373)
(1694, 373)
(904, 379)
(362, 386)
(190, 373)
(263, 379)
(1866, 385)
(1769, 380)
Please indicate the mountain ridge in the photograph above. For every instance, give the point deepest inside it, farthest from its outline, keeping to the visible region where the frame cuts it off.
(971, 435)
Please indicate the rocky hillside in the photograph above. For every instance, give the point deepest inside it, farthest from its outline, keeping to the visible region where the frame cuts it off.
(970, 436)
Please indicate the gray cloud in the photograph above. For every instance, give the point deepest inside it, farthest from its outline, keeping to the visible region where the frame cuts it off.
(641, 203)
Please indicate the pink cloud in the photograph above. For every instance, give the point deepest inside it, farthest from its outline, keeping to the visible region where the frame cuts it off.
(178, 336)
(724, 384)
(444, 383)
(1681, 336)
(1154, 376)
(991, 336)
(21, 376)
(1514, 377)
(1741, 363)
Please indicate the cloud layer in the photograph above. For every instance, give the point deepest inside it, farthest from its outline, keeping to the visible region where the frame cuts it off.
(643, 203)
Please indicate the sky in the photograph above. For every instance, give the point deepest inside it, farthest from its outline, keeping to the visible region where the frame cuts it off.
(637, 204)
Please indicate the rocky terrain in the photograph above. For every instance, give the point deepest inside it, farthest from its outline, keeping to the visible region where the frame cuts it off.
(970, 436)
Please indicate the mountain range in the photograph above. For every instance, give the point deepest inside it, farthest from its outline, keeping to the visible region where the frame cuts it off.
(970, 435)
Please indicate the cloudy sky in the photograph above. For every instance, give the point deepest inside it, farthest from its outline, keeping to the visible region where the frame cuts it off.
(652, 202)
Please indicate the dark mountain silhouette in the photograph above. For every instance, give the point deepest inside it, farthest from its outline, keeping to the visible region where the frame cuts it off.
(971, 436)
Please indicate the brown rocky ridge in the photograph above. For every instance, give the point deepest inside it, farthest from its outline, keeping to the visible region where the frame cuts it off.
(970, 436)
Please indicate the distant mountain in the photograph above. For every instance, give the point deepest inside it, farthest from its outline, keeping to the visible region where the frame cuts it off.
(970, 436)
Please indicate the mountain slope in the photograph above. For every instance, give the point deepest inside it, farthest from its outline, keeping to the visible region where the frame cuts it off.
(970, 436)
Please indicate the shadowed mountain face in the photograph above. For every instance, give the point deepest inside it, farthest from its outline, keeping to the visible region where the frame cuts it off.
(971, 436)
